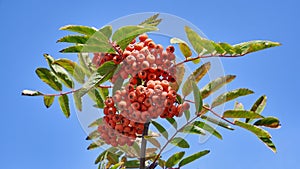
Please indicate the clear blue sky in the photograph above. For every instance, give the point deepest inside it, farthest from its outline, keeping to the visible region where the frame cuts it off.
(33, 137)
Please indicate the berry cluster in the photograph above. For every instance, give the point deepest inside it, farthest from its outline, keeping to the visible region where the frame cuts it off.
(145, 55)
(116, 129)
(148, 94)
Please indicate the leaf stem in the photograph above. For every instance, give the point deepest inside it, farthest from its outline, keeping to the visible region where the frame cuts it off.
(216, 114)
(72, 91)
(144, 146)
(208, 56)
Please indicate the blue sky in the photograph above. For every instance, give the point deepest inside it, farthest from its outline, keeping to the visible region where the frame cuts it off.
(35, 137)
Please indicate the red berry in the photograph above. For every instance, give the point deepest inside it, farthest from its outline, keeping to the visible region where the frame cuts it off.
(170, 49)
(109, 102)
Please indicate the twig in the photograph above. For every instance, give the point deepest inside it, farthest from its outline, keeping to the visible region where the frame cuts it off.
(208, 56)
(144, 146)
(216, 114)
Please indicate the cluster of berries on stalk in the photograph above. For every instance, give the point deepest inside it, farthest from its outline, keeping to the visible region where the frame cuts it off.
(147, 95)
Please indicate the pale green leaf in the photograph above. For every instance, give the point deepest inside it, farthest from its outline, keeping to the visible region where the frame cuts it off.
(80, 29)
(74, 39)
(217, 122)
(193, 157)
(49, 78)
(271, 122)
(197, 75)
(228, 96)
(48, 100)
(215, 85)
(151, 21)
(197, 97)
(241, 114)
(180, 142)
(174, 159)
(207, 128)
(258, 106)
(254, 129)
(161, 129)
(63, 101)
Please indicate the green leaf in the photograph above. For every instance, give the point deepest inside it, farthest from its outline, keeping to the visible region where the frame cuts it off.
(49, 59)
(227, 48)
(184, 48)
(172, 121)
(117, 165)
(258, 106)
(174, 159)
(253, 46)
(103, 73)
(96, 97)
(151, 21)
(227, 96)
(153, 141)
(63, 75)
(132, 164)
(192, 158)
(48, 100)
(161, 163)
(74, 39)
(187, 114)
(63, 101)
(193, 129)
(268, 142)
(95, 145)
(241, 114)
(96, 123)
(197, 98)
(124, 35)
(107, 31)
(77, 100)
(118, 84)
(271, 122)
(197, 75)
(180, 71)
(90, 47)
(215, 85)
(256, 130)
(49, 78)
(72, 68)
(80, 29)
(207, 128)
(161, 129)
(93, 135)
(31, 93)
(201, 45)
(217, 122)
(180, 142)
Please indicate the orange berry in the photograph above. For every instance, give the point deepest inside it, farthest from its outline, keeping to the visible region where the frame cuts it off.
(119, 128)
(151, 45)
(143, 37)
(136, 105)
(139, 46)
(142, 75)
